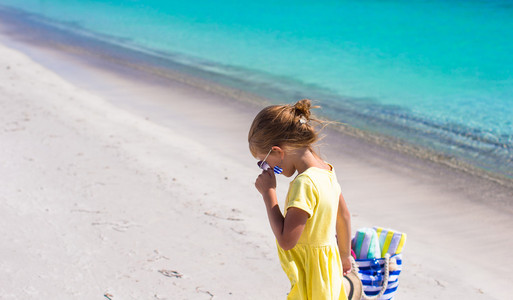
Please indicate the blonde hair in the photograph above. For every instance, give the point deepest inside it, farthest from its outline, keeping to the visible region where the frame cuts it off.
(286, 126)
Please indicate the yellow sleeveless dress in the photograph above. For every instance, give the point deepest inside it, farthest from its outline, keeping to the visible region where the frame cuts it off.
(313, 266)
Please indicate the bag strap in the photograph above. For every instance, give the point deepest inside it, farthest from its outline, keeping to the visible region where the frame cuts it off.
(385, 278)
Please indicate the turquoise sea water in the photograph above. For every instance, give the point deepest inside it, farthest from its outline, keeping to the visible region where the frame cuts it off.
(438, 74)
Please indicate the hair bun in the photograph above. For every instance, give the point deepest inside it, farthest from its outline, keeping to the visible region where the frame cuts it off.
(290, 126)
(302, 108)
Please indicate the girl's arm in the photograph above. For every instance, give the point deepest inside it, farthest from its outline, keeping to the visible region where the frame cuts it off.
(344, 234)
(288, 229)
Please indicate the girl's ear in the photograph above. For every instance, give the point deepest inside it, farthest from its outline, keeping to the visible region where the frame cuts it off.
(280, 151)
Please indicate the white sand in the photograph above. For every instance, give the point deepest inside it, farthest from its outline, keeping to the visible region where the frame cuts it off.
(144, 190)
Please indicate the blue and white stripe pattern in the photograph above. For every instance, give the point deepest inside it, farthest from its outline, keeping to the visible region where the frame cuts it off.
(371, 272)
(264, 165)
(277, 170)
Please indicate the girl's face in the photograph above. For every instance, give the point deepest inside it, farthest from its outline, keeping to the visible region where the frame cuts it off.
(277, 158)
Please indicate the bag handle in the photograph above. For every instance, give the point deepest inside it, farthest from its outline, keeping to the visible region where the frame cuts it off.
(385, 278)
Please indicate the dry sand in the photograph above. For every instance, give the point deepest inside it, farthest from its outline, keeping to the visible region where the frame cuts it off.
(122, 184)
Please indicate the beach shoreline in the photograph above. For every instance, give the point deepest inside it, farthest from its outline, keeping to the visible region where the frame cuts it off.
(433, 203)
(125, 57)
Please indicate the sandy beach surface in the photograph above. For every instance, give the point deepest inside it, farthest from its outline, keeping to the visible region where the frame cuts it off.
(120, 184)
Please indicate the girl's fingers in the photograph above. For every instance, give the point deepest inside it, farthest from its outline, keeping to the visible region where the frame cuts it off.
(265, 180)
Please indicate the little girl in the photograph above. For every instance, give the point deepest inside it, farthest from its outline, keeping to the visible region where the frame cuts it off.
(316, 216)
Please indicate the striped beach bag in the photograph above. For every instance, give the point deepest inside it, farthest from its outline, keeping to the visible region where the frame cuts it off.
(378, 267)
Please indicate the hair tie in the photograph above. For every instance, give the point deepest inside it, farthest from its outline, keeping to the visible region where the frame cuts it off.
(303, 120)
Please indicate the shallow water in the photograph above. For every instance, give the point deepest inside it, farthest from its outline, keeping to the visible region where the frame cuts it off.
(438, 74)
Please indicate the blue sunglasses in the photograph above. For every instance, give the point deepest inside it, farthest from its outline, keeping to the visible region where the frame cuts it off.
(265, 166)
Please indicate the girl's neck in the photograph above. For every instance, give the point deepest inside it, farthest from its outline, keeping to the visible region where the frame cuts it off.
(305, 158)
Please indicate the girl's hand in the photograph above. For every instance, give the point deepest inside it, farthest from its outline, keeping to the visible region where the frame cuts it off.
(346, 264)
(266, 181)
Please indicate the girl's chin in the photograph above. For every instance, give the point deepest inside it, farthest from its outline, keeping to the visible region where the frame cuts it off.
(288, 175)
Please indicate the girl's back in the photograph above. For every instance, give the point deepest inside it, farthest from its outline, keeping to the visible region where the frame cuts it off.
(317, 192)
